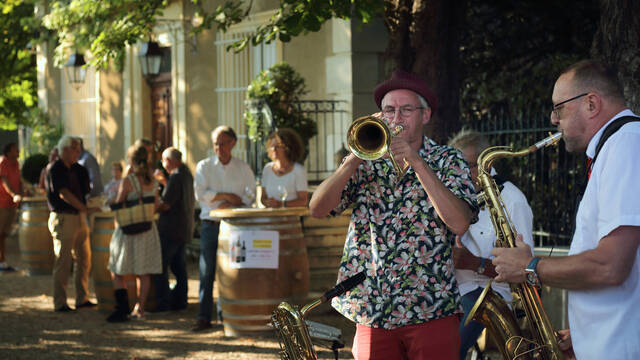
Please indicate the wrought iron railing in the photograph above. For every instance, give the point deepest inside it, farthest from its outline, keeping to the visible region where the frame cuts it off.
(333, 121)
(550, 178)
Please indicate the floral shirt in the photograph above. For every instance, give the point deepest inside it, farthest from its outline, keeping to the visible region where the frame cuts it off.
(396, 235)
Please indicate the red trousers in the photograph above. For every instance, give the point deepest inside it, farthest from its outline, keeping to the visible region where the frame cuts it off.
(437, 340)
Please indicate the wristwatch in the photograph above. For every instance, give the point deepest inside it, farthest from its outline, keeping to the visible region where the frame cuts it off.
(531, 273)
(481, 267)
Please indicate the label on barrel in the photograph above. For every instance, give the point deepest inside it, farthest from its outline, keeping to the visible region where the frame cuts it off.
(254, 249)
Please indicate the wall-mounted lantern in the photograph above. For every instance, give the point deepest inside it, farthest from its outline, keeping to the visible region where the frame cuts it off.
(76, 72)
(150, 56)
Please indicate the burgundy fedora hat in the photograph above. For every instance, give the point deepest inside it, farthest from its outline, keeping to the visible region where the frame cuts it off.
(401, 79)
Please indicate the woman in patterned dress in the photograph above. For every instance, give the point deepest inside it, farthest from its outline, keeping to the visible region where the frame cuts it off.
(138, 254)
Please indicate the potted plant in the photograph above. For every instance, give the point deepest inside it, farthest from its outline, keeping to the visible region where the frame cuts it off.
(272, 103)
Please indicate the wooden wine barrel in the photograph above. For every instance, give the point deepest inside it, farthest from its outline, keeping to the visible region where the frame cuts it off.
(36, 246)
(325, 241)
(103, 227)
(248, 296)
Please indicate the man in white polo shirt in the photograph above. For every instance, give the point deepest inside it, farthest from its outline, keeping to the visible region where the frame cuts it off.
(602, 271)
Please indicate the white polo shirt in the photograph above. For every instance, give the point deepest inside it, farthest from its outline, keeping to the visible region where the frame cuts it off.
(605, 322)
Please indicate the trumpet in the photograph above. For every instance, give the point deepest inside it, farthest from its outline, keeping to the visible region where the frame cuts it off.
(369, 138)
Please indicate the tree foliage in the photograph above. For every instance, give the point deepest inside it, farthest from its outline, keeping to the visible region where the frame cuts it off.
(105, 30)
(512, 51)
(18, 84)
(280, 87)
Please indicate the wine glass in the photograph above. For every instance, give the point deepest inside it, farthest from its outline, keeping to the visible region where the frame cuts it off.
(282, 193)
(250, 194)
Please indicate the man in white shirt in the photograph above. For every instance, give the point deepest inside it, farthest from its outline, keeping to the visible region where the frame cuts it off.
(219, 183)
(472, 254)
(602, 271)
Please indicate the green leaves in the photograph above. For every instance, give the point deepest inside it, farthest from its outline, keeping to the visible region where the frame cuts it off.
(104, 28)
(18, 29)
(280, 87)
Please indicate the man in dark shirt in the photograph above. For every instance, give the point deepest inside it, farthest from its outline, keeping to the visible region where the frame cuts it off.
(67, 185)
(175, 227)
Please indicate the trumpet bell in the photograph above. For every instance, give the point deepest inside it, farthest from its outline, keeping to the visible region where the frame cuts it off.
(368, 138)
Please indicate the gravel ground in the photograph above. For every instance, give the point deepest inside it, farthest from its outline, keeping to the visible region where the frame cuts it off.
(29, 329)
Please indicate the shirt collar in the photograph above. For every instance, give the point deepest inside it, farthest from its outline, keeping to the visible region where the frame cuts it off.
(593, 143)
(425, 147)
(216, 161)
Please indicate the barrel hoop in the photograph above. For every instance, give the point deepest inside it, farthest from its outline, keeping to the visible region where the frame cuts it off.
(264, 220)
(35, 252)
(102, 283)
(224, 236)
(103, 231)
(226, 315)
(264, 227)
(299, 251)
(33, 272)
(34, 224)
(99, 248)
(42, 263)
(294, 299)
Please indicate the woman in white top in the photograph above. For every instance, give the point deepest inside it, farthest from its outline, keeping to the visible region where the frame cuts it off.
(284, 181)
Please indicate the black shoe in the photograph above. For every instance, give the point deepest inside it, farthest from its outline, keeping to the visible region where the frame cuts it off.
(86, 304)
(7, 268)
(64, 309)
(201, 325)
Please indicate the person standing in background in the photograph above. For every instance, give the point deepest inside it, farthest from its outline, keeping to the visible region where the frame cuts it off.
(175, 226)
(67, 186)
(139, 253)
(284, 177)
(91, 164)
(10, 197)
(53, 156)
(472, 254)
(219, 183)
(111, 189)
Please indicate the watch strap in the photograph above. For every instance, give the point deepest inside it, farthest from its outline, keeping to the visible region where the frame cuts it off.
(533, 264)
(482, 266)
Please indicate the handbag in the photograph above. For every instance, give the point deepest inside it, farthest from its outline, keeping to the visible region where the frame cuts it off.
(135, 216)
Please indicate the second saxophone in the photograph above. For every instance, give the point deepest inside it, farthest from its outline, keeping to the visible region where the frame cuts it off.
(490, 309)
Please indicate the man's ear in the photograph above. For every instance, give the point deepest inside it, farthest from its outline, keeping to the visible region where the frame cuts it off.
(426, 116)
(594, 104)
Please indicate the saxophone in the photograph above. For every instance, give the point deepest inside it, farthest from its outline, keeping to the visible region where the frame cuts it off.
(490, 309)
(292, 331)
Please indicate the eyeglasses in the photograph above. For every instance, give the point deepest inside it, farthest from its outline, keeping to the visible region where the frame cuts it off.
(222, 143)
(278, 146)
(558, 106)
(405, 111)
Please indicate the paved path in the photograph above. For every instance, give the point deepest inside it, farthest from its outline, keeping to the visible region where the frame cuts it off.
(29, 329)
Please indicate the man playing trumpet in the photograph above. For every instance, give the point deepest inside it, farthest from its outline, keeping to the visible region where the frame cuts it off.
(401, 232)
